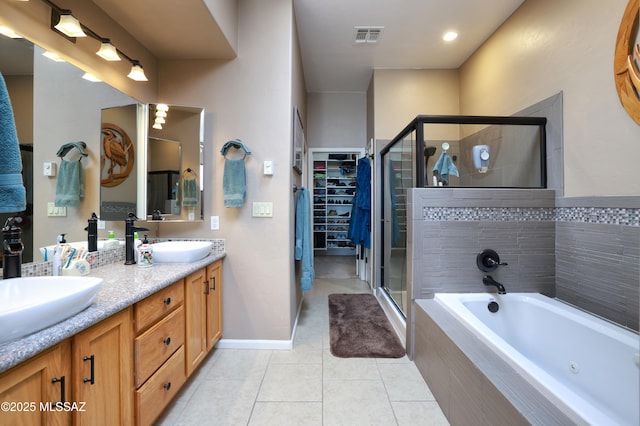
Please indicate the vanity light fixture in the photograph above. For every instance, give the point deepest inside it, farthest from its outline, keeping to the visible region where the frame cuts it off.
(67, 23)
(8, 32)
(159, 120)
(52, 56)
(157, 126)
(162, 107)
(160, 113)
(108, 51)
(64, 23)
(137, 73)
(90, 77)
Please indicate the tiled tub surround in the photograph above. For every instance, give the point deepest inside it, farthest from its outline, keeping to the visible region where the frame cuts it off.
(122, 287)
(551, 343)
(472, 384)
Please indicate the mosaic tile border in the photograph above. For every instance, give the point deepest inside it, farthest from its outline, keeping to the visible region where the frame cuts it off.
(599, 215)
(107, 257)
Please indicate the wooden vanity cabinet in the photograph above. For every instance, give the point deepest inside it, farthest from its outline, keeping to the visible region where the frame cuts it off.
(159, 361)
(43, 379)
(101, 370)
(203, 305)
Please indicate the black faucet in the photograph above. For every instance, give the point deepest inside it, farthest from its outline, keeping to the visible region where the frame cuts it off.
(92, 232)
(129, 249)
(12, 248)
(488, 280)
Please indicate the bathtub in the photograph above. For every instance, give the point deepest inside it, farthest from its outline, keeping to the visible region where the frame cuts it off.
(583, 364)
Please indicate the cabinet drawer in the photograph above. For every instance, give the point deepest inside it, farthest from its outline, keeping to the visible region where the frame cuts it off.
(154, 307)
(154, 395)
(155, 346)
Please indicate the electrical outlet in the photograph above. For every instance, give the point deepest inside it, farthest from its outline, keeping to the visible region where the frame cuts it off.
(215, 223)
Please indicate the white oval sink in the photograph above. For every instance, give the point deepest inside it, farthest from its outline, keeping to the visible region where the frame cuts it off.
(181, 251)
(30, 304)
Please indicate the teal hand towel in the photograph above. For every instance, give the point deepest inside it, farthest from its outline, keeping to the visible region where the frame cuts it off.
(445, 167)
(13, 196)
(234, 183)
(70, 184)
(189, 192)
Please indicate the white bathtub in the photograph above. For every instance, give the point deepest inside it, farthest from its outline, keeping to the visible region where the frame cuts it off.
(579, 361)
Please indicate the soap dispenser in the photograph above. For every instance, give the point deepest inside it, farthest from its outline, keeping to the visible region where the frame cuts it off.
(92, 233)
(145, 253)
(12, 248)
(111, 242)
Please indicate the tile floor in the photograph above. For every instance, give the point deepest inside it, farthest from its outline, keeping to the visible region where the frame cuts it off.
(306, 385)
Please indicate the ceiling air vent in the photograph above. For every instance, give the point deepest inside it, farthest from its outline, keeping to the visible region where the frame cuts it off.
(368, 34)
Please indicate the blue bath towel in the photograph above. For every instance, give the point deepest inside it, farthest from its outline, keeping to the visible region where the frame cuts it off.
(304, 245)
(13, 196)
(445, 167)
(234, 183)
(189, 192)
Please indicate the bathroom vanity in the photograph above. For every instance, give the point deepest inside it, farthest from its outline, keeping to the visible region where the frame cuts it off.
(123, 359)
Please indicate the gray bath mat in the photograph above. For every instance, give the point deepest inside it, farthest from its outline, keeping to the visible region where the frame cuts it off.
(358, 328)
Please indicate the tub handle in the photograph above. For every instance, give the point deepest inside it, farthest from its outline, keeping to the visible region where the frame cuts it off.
(488, 260)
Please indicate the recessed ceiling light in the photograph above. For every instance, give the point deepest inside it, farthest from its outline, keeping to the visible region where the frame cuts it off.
(6, 31)
(53, 56)
(450, 36)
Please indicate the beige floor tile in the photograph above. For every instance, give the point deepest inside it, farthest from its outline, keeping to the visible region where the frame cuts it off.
(299, 355)
(356, 402)
(286, 414)
(404, 382)
(218, 402)
(239, 364)
(291, 383)
(349, 368)
(419, 414)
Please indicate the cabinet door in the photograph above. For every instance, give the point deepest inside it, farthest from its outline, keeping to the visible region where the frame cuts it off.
(43, 379)
(214, 304)
(195, 298)
(103, 372)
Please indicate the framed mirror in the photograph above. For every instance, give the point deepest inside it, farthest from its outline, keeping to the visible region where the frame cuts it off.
(174, 163)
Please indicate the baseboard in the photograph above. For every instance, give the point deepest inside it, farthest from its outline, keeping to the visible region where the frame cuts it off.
(255, 344)
(278, 345)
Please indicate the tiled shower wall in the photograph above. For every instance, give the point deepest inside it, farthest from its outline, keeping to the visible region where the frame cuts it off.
(584, 251)
(598, 256)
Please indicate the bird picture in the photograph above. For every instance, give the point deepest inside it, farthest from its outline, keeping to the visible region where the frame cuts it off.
(117, 150)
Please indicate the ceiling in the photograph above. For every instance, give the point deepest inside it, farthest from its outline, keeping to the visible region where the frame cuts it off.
(332, 61)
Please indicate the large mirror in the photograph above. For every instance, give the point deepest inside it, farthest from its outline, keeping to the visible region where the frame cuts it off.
(174, 163)
(53, 105)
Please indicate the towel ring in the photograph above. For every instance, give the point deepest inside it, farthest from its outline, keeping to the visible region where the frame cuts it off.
(189, 170)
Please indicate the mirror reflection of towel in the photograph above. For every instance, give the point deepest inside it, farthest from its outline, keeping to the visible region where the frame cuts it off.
(445, 167)
(69, 184)
(12, 192)
(234, 183)
(189, 192)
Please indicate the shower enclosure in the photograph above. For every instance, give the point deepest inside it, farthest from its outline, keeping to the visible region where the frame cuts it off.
(451, 151)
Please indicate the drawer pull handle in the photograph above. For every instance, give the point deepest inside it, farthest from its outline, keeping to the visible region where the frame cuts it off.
(167, 341)
(206, 287)
(167, 386)
(92, 378)
(214, 284)
(167, 301)
(62, 388)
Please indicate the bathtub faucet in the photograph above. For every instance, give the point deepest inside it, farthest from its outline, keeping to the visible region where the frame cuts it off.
(488, 280)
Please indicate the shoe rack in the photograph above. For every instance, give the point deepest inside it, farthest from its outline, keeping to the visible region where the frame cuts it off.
(334, 186)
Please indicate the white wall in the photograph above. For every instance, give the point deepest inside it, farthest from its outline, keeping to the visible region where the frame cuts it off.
(249, 98)
(548, 46)
(337, 120)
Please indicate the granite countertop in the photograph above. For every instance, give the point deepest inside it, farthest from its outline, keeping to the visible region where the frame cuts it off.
(122, 287)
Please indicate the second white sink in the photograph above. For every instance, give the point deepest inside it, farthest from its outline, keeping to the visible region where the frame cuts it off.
(30, 304)
(181, 251)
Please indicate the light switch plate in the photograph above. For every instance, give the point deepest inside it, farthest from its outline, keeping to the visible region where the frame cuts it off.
(215, 223)
(54, 211)
(262, 209)
(268, 167)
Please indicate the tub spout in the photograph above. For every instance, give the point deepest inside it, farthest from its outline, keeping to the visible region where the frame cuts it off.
(488, 280)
